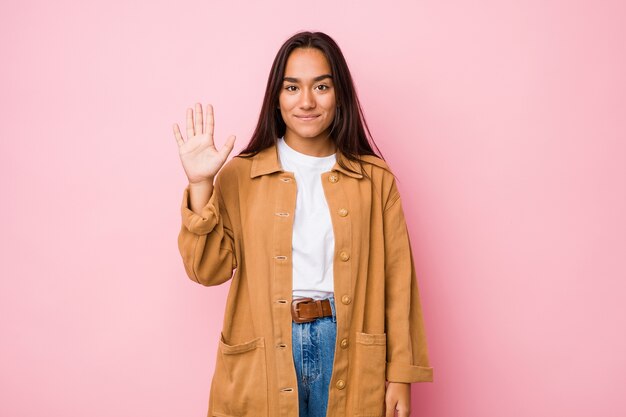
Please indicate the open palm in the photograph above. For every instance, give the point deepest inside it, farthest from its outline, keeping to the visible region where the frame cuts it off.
(200, 158)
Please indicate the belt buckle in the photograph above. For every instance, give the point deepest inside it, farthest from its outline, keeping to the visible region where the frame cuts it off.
(295, 310)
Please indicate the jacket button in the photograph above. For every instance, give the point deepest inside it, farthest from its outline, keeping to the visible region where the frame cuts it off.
(346, 299)
(344, 343)
(341, 384)
(343, 212)
(344, 256)
(333, 178)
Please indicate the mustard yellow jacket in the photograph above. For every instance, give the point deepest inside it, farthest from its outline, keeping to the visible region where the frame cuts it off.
(246, 226)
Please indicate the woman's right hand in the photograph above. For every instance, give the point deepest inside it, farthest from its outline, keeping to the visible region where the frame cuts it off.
(200, 158)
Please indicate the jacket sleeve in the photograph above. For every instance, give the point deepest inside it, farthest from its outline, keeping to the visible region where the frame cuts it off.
(206, 241)
(407, 352)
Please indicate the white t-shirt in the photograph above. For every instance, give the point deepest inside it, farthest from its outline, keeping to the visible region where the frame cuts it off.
(313, 241)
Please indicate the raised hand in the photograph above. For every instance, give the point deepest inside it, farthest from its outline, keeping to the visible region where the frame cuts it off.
(200, 158)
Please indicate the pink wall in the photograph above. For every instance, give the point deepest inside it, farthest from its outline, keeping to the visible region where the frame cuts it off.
(504, 120)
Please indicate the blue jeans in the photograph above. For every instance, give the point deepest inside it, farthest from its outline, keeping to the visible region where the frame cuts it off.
(313, 354)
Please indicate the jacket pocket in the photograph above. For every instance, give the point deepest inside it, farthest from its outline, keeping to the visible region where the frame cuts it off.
(370, 362)
(239, 387)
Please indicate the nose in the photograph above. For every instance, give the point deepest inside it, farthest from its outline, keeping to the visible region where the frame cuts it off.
(307, 99)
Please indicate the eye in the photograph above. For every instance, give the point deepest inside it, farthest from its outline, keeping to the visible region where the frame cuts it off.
(325, 86)
(289, 86)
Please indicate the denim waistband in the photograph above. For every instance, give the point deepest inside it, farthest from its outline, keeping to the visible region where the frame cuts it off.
(332, 307)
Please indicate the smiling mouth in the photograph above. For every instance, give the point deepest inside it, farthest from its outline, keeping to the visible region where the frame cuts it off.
(305, 118)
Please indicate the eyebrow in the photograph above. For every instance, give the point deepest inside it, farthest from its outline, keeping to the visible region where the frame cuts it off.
(318, 78)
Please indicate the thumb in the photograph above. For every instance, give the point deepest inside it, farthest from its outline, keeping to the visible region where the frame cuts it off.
(228, 146)
(390, 409)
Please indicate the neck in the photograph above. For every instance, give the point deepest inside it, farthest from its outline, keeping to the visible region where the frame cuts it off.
(318, 146)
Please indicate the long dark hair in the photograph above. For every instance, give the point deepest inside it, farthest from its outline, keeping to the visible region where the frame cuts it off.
(349, 125)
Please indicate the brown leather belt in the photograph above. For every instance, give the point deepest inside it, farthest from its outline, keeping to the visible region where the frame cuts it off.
(307, 309)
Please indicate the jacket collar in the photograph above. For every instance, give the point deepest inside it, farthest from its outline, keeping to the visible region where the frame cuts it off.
(267, 162)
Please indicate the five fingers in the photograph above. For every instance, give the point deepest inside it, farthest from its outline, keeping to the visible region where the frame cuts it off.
(196, 125)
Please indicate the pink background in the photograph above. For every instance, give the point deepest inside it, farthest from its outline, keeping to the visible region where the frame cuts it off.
(504, 120)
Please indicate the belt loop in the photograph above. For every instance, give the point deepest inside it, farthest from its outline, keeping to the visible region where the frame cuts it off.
(332, 307)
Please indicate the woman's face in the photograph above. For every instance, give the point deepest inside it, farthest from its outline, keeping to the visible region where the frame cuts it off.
(307, 90)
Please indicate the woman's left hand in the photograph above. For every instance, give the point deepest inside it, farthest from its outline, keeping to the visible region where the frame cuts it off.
(398, 397)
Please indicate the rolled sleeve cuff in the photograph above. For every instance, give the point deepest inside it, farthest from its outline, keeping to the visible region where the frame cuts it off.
(401, 372)
(204, 223)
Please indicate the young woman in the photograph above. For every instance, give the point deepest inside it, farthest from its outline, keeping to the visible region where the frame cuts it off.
(323, 315)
